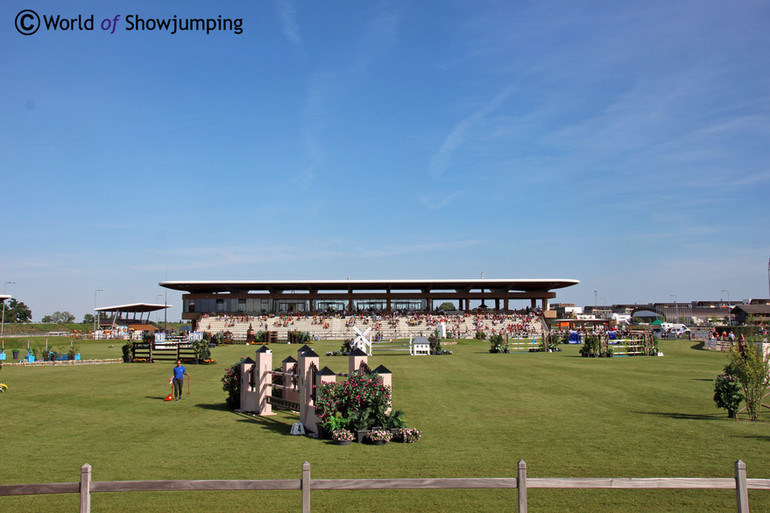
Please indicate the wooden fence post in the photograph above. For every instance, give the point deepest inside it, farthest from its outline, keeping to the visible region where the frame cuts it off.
(521, 484)
(306, 487)
(741, 491)
(85, 488)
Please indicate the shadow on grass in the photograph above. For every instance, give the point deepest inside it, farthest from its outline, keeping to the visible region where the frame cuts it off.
(160, 398)
(685, 416)
(700, 346)
(216, 406)
(762, 438)
(267, 423)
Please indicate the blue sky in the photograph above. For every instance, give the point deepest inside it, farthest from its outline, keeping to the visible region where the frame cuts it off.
(624, 144)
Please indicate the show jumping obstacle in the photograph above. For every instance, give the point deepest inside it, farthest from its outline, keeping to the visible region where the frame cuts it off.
(299, 381)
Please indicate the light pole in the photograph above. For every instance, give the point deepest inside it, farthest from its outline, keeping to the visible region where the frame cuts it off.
(157, 298)
(729, 314)
(676, 309)
(5, 290)
(96, 317)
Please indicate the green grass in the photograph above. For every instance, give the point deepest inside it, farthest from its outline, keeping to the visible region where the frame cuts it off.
(480, 413)
(37, 328)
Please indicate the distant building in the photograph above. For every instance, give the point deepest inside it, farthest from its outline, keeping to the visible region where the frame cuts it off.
(751, 314)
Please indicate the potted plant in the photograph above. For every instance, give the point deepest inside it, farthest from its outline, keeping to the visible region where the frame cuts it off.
(73, 350)
(334, 423)
(408, 435)
(342, 436)
(379, 436)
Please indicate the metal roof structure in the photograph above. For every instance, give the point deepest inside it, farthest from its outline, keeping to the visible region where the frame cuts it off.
(280, 286)
(133, 308)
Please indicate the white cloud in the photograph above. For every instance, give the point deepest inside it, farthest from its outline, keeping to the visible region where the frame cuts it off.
(287, 14)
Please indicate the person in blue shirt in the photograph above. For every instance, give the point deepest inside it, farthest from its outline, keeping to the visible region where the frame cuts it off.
(179, 374)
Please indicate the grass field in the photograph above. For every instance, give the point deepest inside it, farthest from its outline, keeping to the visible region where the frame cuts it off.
(480, 413)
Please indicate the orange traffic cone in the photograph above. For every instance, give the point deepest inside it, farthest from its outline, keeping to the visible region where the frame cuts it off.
(169, 397)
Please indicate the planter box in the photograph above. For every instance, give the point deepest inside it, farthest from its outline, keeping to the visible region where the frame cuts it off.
(361, 435)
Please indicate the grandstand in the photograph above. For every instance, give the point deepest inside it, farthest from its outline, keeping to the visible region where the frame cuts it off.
(383, 327)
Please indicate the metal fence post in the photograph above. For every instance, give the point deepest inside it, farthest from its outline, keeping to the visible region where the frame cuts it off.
(306, 487)
(521, 484)
(85, 488)
(741, 491)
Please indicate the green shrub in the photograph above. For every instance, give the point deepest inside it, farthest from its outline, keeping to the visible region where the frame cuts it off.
(231, 383)
(590, 346)
(727, 393)
(202, 351)
(435, 343)
(497, 344)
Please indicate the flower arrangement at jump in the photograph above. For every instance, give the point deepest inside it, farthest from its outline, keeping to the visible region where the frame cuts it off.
(362, 403)
(3, 387)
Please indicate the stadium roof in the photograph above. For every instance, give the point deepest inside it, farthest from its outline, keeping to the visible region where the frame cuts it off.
(132, 308)
(203, 287)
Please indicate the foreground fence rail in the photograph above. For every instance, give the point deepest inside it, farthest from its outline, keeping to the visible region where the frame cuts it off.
(740, 483)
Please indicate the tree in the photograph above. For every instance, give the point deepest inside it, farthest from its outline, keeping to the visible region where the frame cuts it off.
(60, 317)
(447, 306)
(88, 319)
(17, 312)
(751, 369)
